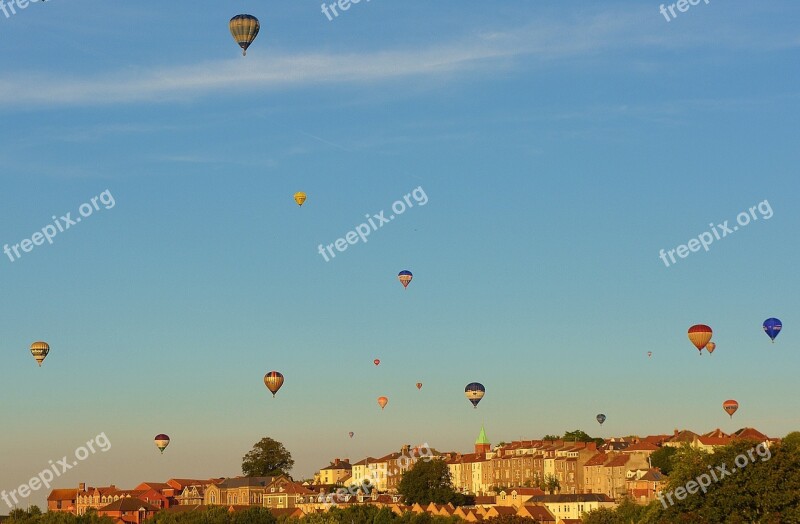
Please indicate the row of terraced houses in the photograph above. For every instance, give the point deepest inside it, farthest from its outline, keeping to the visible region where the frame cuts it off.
(503, 477)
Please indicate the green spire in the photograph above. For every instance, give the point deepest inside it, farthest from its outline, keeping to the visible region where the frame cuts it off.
(482, 437)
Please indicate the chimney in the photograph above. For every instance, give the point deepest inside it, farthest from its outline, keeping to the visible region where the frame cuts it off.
(346, 461)
(82, 486)
(676, 432)
(336, 462)
(405, 449)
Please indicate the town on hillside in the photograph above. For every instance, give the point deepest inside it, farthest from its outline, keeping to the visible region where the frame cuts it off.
(555, 481)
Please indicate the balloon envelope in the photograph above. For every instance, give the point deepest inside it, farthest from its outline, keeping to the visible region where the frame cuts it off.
(382, 401)
(601, 418)
(376, 361)
(474, 393)
(273, 380)
(730, 407)
(244, 29)
(419, 385)
(351, 434)
(711, 347)
(299, 197)
(649, 353)
(162, 441)
(405, 277)
(39, 350)
(772, 327)
(700, 335)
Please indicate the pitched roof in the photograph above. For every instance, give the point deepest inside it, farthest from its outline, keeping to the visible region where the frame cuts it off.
(750, 433)
(641, 446)
(158, 486)
(63, 494)
(654, 475)
(239, 482)
(597, 460)
(683, 436)
(539, 513)
(714, 441)
(128, 504)
(716, 433)
(618, 461)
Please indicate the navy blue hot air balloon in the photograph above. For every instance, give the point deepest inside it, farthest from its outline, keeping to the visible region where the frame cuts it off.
(772, 327)
(474, 393)
(601, 418)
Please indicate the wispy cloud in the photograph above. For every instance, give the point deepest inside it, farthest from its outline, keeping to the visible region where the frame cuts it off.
(544, 41)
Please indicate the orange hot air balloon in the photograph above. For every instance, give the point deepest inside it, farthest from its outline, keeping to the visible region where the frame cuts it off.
(711, 347)
(382, 401)
(419, 385)
(273, 380)
(377, 361)
(700, 335)
(730, 407)
(299, 197)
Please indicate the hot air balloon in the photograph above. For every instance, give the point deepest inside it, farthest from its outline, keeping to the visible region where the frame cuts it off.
(351, 434)
(244, 29)
(700, 335)
(772, 327)
(711, 347)
(299, 197)
(419, 385)
(649, 353)
(405, 277)
(730, 407)
(377, 361)
(39, 350)
(382, 401)
(273, 380)
(601, 418)
(162, 441)
(474, 393)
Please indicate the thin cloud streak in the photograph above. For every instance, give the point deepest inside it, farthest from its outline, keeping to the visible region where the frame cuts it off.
(485, 51)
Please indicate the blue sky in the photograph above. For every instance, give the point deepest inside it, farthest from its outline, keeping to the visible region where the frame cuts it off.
(560, 147)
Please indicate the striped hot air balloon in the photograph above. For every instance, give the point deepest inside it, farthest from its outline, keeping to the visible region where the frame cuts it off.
(244, 29)
(700, 335)
(730, 407)
(273, 380)
(710, 347)
(474, 393)
(39, 350)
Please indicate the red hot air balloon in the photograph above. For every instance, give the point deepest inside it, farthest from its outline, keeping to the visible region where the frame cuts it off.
(377, 361)
(700, 335)
(161, 441)
(730, 407)
(419, 385)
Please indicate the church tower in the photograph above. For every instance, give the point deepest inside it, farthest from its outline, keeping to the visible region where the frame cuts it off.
(482, 444)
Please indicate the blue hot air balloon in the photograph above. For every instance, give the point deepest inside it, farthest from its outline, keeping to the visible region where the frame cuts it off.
(474, 393)
(601, 418)
(772, 327)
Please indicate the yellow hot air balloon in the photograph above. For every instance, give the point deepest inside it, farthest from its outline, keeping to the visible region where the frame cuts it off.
(299, 197)
(244, 29)
(382, 401)
(273, 380)
(700, 335)
(39, 350)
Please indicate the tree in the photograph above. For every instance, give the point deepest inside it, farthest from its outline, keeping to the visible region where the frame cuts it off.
(662, 459)
(427, 481)
(551, 483)
(578, 436)
(268, 458)
(551, 437)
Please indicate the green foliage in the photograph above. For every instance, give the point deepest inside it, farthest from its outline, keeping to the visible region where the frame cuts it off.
(578, 436)
(551, 483)
(764, 488)
(662, 459)
(509, 519)
(428, 481)
(268, 458)
(33, 515)
(551, 437)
